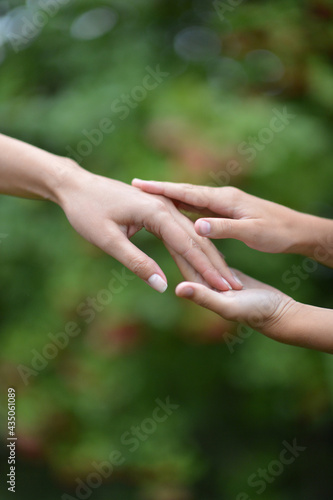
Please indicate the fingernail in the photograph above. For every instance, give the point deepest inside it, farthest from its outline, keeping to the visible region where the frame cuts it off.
(143, 181)
(187, 291)
(238, 280)
(157, 283)
(226, 283)
(204, 227)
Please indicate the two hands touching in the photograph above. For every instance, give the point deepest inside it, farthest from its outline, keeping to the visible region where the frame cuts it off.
(108, 213)
(268, 227)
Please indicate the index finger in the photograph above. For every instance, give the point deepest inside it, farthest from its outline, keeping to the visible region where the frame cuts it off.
(182, 243)
(197, 196)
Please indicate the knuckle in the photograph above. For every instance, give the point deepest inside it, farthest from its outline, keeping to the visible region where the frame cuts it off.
(188, 194)
(206, 194)
(224, 226)
(209, 274)
(139, 266)
(203, 242)
(206, 246)
(232, 192)
(107, 240)
(196, 196)
(67, 162)
(191, 245)
(156, 211)
(201, 298)
(160, 207)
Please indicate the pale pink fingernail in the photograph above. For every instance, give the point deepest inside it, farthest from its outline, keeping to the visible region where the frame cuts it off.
(238, 280)
(204, 227)
(157, 283)
(187, 291)
(141, 181)
(226, 283)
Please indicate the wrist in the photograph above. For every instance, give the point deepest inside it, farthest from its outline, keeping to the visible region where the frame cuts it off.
(297, 231)
(283, 321)
(305, 326)
(301, 325)
(67, 178)
(30, 172)
(314, 238)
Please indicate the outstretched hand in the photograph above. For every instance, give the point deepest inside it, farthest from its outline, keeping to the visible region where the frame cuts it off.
(258, 305)
(232, 213)
(108, 213)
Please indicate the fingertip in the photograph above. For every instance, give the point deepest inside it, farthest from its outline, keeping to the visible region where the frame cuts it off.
(232, 281)
(160, 273)
(152, 187)
(185, 290)
(203, 227)
(227, 284)
(137, 182)
(239, 284)
(158, 283)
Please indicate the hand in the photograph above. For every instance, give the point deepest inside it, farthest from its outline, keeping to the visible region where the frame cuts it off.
(108, 213)
(260, 224)
(260, 306)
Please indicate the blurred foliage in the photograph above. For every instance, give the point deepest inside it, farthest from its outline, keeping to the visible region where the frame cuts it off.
(229, 69)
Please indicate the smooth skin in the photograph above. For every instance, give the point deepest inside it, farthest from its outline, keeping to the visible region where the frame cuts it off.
(108, 213)
(267, 227)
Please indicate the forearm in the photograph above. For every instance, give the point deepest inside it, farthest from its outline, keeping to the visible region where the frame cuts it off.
(313, 238)
(30, 172)
(305, 326)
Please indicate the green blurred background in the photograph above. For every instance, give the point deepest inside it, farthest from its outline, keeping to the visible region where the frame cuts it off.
(64, 67)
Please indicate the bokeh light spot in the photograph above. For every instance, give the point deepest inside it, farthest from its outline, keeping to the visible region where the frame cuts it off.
(197, 44)
(94, 24)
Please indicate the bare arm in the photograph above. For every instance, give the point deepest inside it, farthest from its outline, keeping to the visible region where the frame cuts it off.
(268, 311)
(108, 213)
(314, 238)
(30, 172)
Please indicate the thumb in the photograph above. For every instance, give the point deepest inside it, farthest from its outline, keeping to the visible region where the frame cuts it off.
(222, 303)
(224, 228)
(137, 261)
